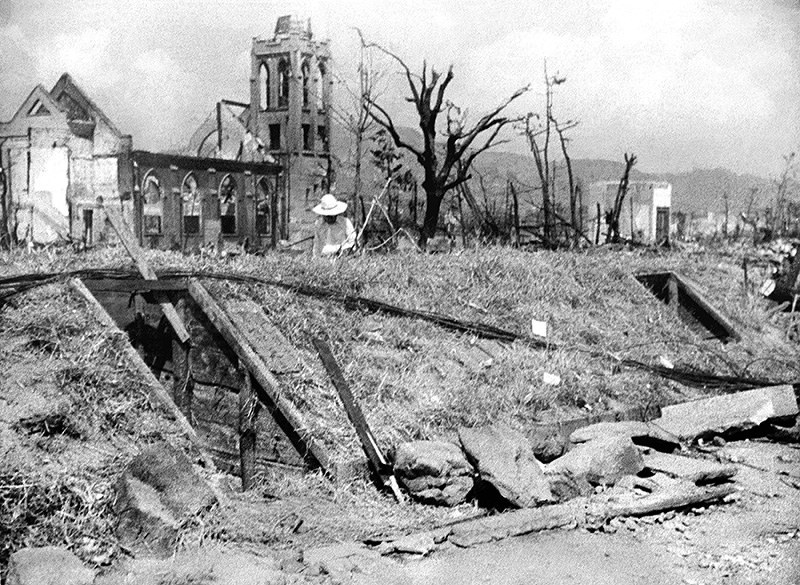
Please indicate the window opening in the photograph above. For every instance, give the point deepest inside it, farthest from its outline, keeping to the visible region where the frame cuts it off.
(192, 204)
(227, 205)
(153, 205)
(283, 83)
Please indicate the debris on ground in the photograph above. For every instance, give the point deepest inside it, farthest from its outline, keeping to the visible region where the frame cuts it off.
(697, 471)
(434, 472)
(504, 460)
(47, 565)
(642, 433)
(156, 494)
(728, 412)
(600, 461)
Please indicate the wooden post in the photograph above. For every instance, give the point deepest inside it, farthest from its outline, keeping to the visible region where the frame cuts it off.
(136, 252)
(247, 430)
(182, 384)
(356, 416)
(672, 291)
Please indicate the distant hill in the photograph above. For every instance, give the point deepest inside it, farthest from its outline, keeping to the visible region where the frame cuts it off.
(698, 191)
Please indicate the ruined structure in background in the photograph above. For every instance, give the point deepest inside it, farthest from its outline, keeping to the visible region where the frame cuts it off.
(645, 214)
(58, 154)
(288, 118)
(185, 203)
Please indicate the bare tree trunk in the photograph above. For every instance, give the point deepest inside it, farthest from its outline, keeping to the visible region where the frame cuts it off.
(516, 213)
(612, 234)
(433, 203)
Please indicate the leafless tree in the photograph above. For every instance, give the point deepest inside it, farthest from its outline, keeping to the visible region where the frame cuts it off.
(539, 131)
(781, 216)
(612, 219)
(448, 166)
(354, 115)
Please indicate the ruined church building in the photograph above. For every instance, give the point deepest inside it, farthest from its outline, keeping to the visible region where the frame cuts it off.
(248, 172)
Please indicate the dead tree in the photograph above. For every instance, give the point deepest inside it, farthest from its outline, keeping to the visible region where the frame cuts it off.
(354, 117)
(780, 219)
(539, 131)
(612, 217)
(448, 167)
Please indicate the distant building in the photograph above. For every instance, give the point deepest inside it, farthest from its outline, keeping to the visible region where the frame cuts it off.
(645, 215)
(288, 118)
(58, 153)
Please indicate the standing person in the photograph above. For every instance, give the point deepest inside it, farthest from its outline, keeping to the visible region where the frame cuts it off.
(333, 232)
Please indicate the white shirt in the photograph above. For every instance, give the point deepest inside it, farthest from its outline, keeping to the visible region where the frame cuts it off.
(329, 238)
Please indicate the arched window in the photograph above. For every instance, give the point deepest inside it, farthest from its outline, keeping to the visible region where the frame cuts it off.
(305, 72)
(283, 83)
(191, 205)
(152, 204)
(265, 191)
(263, 85)
(227, 205)
(321, 87)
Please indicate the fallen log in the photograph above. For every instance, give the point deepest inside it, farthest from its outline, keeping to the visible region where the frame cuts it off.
(682, 494)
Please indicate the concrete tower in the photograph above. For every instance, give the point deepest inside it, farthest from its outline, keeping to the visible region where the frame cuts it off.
(290, 105)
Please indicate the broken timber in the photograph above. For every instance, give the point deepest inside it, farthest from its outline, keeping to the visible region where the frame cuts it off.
(157, 392)
(136, 252)
(356, 416)
(256, 363)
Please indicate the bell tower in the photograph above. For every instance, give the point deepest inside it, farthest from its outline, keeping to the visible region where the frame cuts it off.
(290, 105)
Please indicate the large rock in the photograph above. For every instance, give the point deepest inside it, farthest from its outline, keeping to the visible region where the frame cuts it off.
(156, 492)
(47, 565)
(504, 459)
(171, 474)
(642, 433)
(601, 461)
(435, 472)
(729, 412)
(146, 526)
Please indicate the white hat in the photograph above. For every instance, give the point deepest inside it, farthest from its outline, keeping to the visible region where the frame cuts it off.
(329, 205)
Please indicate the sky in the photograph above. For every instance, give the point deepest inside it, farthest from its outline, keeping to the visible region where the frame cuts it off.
(682, 83)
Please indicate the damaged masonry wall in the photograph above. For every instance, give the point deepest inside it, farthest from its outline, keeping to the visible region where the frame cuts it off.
(59, 153)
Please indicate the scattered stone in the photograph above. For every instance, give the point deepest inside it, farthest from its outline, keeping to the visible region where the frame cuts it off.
(434, 472)
(505, 460)
(698, 471)
(171, 474)
(146, 526)
(600, 461)
(415, 544)
(47, 565)
(547, 443)
(157, 490)
(728, 412)
(642, 433)
(564, 485)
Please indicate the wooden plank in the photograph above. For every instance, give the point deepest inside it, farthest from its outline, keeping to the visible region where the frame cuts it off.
(266, 339)
(260, 371)
(247, 431)
(130, 244)
(692, 291)
(157, 392)
(356, 416)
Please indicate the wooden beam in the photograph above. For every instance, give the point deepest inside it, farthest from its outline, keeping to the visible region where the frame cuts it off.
(156, 391)
(136, 252)
(356, 416)
(260, 371)
(693, 292)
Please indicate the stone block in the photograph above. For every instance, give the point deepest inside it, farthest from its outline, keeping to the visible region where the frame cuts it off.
(434, 472)
(600, 461)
